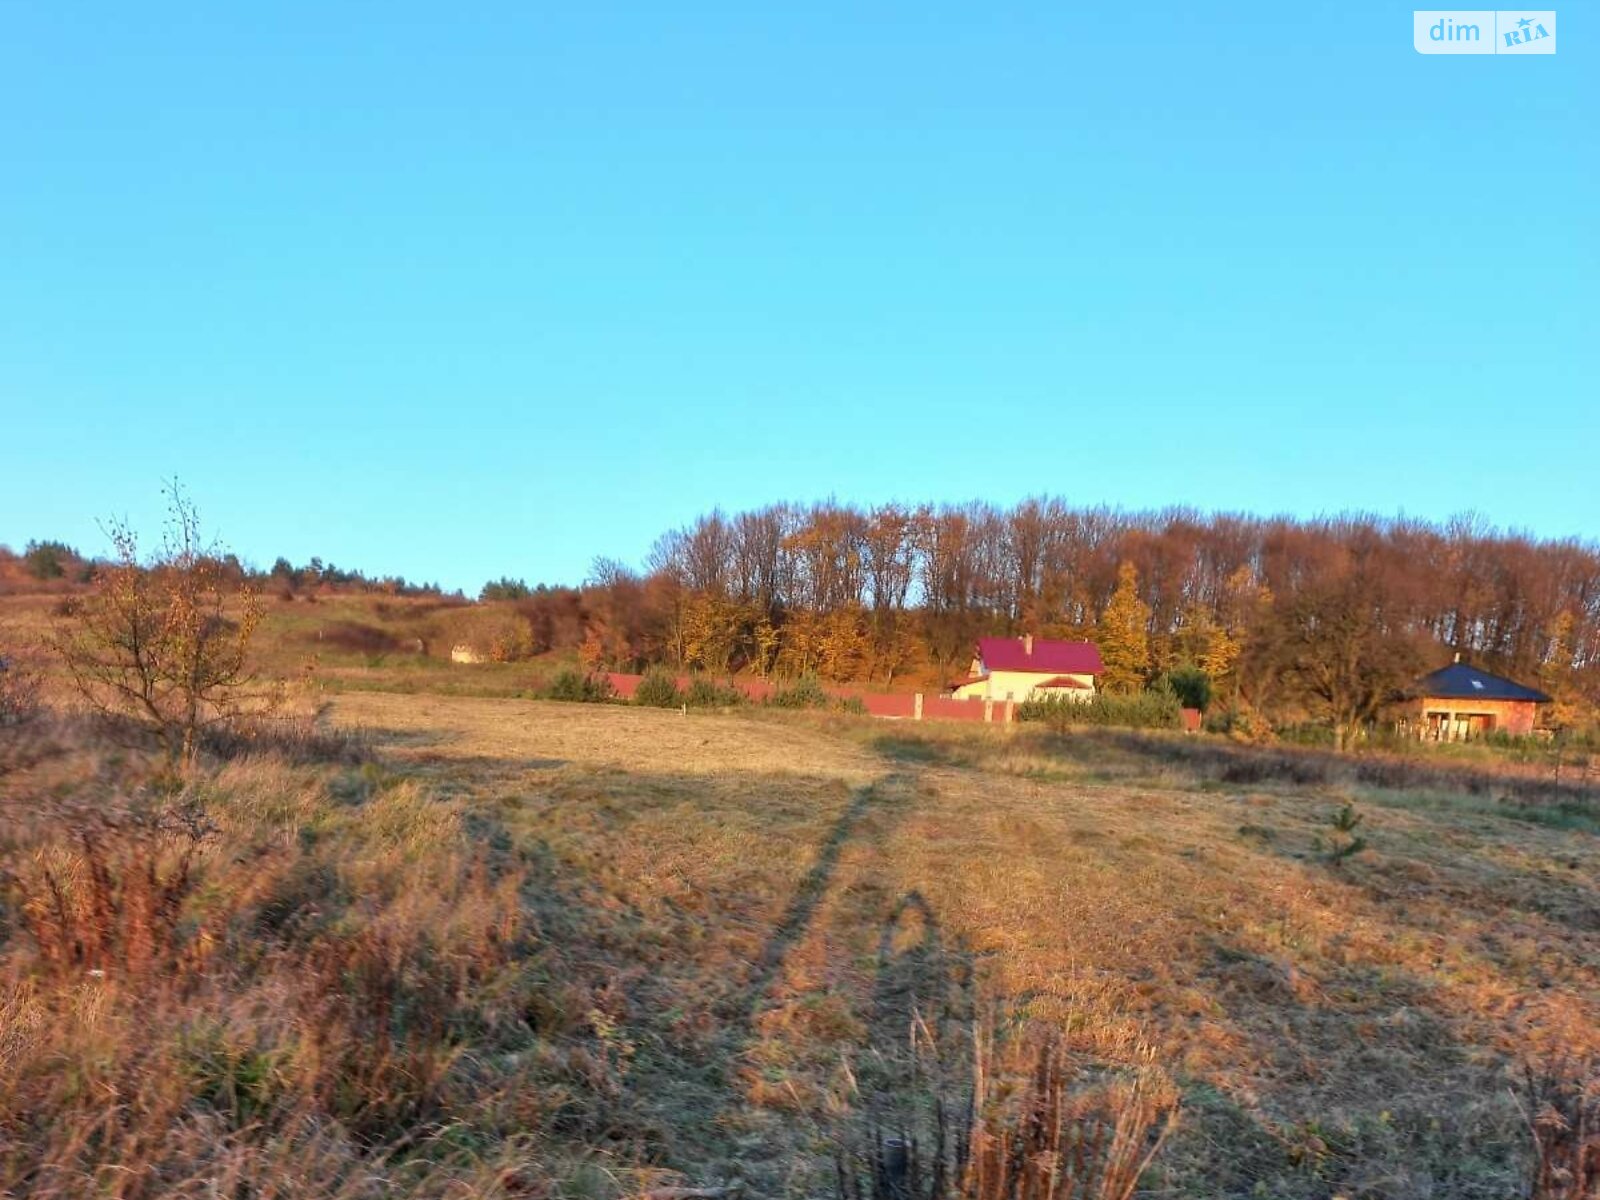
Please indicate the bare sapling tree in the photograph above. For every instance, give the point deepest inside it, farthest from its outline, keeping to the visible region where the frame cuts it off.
(166, 642)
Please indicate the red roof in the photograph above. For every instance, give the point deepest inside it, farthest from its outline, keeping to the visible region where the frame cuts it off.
(1010, 654)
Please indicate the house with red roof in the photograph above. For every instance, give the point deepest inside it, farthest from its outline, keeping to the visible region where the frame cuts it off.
(1030, 668)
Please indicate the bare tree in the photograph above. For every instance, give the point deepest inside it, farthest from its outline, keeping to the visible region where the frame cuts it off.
(166, 642)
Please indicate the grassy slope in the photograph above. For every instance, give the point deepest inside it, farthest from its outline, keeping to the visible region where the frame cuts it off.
(784, 892)
(722, 926)
(349, 643)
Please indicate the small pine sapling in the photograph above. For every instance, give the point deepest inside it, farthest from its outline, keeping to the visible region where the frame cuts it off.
(1346, 843)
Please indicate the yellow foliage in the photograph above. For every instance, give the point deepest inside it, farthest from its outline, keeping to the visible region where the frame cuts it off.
(1124, 635)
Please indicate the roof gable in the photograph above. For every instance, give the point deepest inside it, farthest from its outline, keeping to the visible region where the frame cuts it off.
(1459, 681)
(1047, 657)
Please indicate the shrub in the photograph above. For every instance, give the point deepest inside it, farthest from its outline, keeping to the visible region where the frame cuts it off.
(706, 693)
(505, 588)
(658, 689)
(1153, 708)
(576, 687)
(1346, 842)
(1241, 724)
(805, 692)
(48, 560)
(1191, 684)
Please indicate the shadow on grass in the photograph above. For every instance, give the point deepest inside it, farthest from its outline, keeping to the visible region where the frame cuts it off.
(917, 751)
(796, 920)
(1347, 1053)
(923, 1015)
(1346, 1083)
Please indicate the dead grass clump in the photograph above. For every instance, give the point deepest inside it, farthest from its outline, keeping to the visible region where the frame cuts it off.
(303, 736)
(1562, 1104)
(19, 691)
(1031, 1127)
(254, 975)
(25, 744)
(109, 897)
(386, 1012)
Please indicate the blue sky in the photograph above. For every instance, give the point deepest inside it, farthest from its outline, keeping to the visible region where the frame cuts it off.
(456, 292)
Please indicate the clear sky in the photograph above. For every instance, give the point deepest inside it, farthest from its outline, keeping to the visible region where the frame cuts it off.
(462, 290)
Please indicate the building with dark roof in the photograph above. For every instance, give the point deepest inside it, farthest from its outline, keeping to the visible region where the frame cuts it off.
(1461, 701)
(1028, 667)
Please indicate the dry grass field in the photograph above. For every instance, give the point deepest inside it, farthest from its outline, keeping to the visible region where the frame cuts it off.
(1344, 1028)
(497, 947)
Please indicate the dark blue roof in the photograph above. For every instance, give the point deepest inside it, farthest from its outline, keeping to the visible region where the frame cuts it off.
(1458, 681)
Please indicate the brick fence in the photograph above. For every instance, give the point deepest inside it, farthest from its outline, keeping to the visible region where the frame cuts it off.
(901, 706)
(893, 706)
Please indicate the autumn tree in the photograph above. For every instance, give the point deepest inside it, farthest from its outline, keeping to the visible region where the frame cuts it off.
(166, 642)
(617, 618)
(1344, 644)
(712, 632)
(764, 643)
(845, 643)
(801, 647)
(1555, 673)
(1124, 635)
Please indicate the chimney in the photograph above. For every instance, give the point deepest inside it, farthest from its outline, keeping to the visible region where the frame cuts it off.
(1027, 644)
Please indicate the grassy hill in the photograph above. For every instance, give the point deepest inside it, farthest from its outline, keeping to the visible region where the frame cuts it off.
(352, 641)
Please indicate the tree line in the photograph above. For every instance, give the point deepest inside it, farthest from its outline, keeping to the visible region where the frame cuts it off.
(1286, 620)
(49, 565)
(1323, 618)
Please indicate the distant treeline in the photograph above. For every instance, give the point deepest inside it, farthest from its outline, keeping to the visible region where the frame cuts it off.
(1288, 619)
(1326, 617)
(56, 566)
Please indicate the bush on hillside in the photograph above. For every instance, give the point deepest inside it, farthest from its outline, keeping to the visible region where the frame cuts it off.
(658, 689)
(1241, 724)
(707, 693)
(1153, 708)
(577, 688)
(1192, 685)
(804, 692)
(48, 560)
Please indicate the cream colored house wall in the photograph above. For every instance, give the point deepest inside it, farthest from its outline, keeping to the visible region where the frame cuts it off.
(1017, 685)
